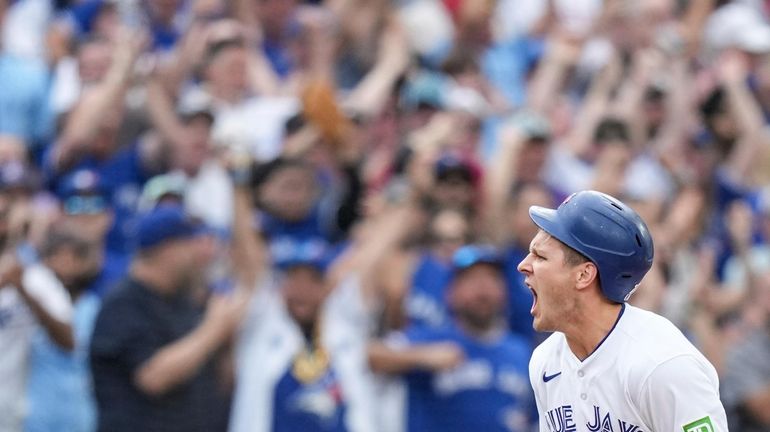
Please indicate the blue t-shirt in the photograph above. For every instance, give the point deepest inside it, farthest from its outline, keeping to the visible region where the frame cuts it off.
(425, 303)
(279, 57)
(313, 407)
(59, 386)
(24, 109)
(489, 392)
(726, 191)
(285, 238)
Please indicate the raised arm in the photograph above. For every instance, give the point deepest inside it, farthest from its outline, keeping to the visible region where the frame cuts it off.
(371, 94)
(85, 120)
(747, 114)
(248, 249)
(594, 108)
(499, 178)
(58, 329)
(561, 54)
(433, 357)
(376, 238)
(176, 363)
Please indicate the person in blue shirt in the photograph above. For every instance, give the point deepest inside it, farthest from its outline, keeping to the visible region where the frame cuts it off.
(294, 212)
(87, 209)
(471, 375)
(416, 281)
(59, 384)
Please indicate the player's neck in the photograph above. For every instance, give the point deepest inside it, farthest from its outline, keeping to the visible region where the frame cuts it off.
(589, 330)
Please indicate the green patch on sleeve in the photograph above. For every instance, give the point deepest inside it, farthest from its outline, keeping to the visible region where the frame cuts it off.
(702, 425)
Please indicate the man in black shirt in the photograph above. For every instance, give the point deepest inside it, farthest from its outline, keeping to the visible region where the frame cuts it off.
(154, 350)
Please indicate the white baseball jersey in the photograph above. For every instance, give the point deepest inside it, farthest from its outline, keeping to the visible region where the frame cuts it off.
(645, 376)
(271, 338)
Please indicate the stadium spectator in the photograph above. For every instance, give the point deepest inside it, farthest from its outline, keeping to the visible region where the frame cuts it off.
(312, 322)
(470, 374)
(87, 210)
(33, 298)
(155, 351)
(59, 388)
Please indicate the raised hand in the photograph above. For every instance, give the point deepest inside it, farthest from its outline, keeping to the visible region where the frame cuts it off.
(732, 67)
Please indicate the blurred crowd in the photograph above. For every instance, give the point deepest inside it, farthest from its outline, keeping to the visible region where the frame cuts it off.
(286, 215)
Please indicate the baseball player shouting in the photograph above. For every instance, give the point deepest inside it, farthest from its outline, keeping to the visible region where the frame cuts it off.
(609, 366)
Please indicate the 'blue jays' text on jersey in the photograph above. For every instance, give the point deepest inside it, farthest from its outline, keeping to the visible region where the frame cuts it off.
(489, 392)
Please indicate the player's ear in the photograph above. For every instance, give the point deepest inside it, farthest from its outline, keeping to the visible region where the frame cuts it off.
(587, 273)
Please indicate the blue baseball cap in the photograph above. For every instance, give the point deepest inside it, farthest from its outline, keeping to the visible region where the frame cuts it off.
(471, 255)
(291, 254)
(163, 224)
(82, 182)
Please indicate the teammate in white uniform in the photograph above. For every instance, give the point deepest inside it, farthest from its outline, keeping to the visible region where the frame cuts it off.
(608, 366)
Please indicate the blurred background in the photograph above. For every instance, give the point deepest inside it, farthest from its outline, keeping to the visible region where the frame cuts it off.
(337, 169)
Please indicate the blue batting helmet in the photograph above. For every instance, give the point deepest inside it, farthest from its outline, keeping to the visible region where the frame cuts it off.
(607, 232)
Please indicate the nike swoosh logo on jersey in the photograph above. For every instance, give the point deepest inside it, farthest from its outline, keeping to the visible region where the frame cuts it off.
(547, 378)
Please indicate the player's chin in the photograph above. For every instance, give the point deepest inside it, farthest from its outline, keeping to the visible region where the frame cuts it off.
(540, 325)
(537, 324)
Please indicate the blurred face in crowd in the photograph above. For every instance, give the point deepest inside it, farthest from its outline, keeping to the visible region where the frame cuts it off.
(226, 73)
(449, 230)
(304, 292)
(552, 280)
(93, 58)
(289, 192)
(275, 15)
(163, 11)
(90, 225)
(612, 162)
(194, 151)
(453, 190)
(12, 149)
(478, 296)
(522, 229)
(175, 257)
(107, 22)
(205, 250)
(76, 267)
(532, 159)
(654, 109)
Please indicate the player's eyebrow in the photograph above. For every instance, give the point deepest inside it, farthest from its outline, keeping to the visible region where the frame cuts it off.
(536, 247)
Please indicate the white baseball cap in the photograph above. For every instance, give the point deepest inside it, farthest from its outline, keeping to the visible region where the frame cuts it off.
(737, 25)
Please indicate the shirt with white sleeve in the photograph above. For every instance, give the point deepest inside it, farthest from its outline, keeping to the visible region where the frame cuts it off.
(270, 340)
(645, 376)
(18, 325)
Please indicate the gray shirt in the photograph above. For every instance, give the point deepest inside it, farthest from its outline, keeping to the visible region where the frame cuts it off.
(748, 372)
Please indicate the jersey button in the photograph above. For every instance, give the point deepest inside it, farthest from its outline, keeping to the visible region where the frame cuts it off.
(580, 374)
(583, 396)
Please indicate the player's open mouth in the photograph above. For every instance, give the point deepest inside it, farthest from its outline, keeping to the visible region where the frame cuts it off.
(534, 297)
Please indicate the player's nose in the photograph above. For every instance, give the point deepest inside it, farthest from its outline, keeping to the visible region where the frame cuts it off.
(525, 266)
